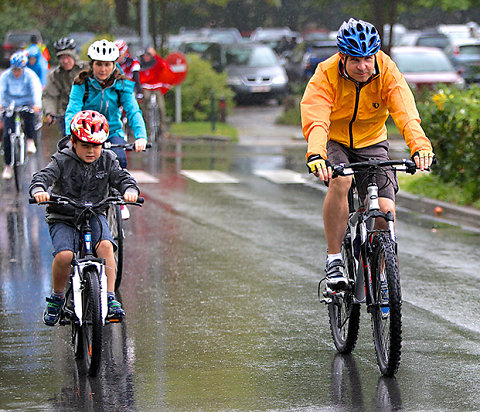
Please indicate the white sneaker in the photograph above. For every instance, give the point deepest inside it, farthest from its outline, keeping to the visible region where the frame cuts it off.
(7, 173)
(31, 148)
(124, 212)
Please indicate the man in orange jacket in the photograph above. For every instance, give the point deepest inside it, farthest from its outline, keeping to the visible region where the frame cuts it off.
(344, 110)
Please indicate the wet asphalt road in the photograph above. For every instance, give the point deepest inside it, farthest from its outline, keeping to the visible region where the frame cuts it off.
(220, 294)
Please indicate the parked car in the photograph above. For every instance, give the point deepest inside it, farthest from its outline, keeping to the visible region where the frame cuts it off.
(465, 56)
(427, 38)
(255, 71)
(219, 34)
(316, 53)
(280, 39)
(425, 67)
(17, 40)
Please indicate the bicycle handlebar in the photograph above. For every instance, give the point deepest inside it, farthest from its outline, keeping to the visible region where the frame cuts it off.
(54, 199)
(11, 109)
(127, 146)
(347, 169)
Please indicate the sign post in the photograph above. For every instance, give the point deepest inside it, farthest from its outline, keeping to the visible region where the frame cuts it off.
(178, 65)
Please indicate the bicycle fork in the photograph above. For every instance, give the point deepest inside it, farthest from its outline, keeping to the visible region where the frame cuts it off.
(78, 285)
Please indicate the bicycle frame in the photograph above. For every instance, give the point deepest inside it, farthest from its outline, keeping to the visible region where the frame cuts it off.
(18, 133)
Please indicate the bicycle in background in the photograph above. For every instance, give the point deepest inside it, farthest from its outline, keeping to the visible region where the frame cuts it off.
(371, 265)
(115, 220)
(85, 306)
(18, 143)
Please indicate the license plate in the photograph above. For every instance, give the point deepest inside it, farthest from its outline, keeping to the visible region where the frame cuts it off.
(260, 89)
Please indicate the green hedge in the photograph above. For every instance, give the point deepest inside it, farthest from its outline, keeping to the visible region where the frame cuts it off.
(196, 89)
(451, 119)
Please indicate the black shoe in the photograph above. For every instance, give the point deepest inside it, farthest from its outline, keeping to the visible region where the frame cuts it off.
(53, 310)
(336, 279)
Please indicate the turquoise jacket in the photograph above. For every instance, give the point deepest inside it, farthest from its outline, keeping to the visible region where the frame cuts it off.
(108, 101)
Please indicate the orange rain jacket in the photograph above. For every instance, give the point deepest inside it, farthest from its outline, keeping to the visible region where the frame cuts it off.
(353, 114)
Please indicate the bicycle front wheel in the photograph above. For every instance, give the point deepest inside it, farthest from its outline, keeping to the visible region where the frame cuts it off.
(386, 309)
(115, 223)
(92, 325)
(18, 162)
(343, 311)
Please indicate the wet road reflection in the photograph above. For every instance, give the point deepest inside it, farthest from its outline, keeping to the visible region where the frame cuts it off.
(220, 293)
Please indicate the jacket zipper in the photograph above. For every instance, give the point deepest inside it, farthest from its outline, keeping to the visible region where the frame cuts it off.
(355, 110)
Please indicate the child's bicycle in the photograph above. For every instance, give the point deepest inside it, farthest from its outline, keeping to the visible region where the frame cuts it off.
(18, 143)
(370, 257)
(115, 221)
(85, 306)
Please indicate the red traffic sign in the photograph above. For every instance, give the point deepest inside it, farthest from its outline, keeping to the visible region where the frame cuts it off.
(178, 65)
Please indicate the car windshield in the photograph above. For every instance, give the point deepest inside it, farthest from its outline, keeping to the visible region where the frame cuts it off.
(422, 62)
(439, 42)
(19, 38)
(251, 56)
(470, 50)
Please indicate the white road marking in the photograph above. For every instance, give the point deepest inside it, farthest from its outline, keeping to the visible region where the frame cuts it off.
(282, 176)
(208, 176)
(143, 177)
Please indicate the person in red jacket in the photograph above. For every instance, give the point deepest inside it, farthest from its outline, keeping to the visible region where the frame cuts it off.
(156, 79)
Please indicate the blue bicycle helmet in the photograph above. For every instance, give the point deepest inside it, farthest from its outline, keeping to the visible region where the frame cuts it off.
(358, 38)
(18, 59)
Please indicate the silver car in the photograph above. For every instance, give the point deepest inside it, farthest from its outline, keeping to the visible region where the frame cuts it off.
(254, 70)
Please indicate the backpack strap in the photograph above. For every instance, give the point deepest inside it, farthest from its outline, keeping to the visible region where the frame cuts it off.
(87, 92)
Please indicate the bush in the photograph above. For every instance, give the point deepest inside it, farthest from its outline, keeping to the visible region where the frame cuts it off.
(451, 119)
(196, 91)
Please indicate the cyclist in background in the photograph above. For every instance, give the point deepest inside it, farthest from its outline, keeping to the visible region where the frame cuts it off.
(82, 170)
(60, 80)
(104, 88)
(130, 66)
(21, 86)
(37, 63)
(344, 110)
(155, 75)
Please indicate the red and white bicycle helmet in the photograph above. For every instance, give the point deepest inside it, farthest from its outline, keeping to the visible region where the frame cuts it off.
(103, 50)
(122, 45)
(90, 126)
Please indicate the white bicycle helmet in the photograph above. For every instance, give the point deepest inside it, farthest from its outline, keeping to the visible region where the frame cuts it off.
(103, 50)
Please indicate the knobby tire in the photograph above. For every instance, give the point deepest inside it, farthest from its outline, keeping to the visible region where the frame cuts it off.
(92, 326)
(343, 312)
(387, 327)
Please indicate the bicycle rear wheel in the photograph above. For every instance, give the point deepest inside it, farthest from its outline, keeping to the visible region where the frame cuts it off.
(19, 152)
(92, 325)
(386, 310)
(343, 312)
(115, 223)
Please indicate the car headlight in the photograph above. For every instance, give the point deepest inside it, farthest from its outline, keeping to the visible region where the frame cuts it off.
(234, 81)
(280, 79)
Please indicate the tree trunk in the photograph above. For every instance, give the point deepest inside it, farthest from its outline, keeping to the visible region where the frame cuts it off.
(121, 13)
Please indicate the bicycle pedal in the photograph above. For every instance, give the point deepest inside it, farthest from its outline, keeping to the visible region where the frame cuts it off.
(113, 320)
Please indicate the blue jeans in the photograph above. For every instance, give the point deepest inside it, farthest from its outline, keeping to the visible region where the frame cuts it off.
(122, 156)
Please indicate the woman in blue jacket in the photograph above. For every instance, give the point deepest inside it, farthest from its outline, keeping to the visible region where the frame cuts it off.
(105, 89)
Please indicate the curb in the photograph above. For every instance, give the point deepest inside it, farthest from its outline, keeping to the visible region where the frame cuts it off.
(464, 217)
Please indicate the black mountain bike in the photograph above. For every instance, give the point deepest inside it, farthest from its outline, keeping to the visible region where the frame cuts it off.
(370, 257)
(114, 217)
(85, 306)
